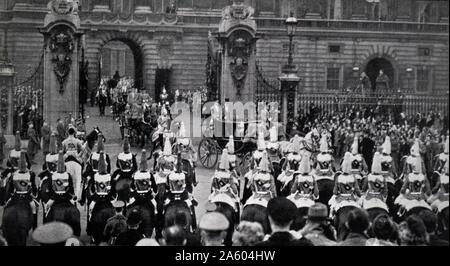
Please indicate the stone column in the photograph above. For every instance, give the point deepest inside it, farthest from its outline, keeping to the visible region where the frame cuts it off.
(101, 6)
(338, 9)
(142, 7)
(62, 39)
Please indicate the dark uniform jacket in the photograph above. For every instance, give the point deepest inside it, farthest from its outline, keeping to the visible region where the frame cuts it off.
(280, 239)
(129, 238)
(115, 226)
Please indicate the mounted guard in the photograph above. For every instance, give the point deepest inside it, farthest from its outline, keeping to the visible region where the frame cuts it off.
(304, 191)
(72, 148)
(143, 196)
(442, 158)
(412, 161)
(439, 200)
(374, 199)
(416, 187)
(389, 171)
(20, 212)
(12, 166)
(324, 171)
(273, 149)
(359, 166)
(188, 154)
(224, 186)
(291, 164)
(126, 166)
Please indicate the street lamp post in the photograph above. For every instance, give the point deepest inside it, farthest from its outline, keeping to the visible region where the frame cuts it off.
(289, 79)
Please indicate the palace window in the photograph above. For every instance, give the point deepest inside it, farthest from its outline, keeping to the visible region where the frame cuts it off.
(333, 78)
(424, 51)
(423, 79)
(334, 48)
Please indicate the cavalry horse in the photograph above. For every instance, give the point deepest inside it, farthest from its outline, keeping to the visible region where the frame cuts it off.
(17, 221)
(62, 209)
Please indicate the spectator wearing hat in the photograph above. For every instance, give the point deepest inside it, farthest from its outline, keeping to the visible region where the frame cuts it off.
(213, 226)
(430, 220)
(281, 213)
(147, 242)
(318, 229)
(383, 231)
(357, 224)
(45, 135)
(33, 142)
(116, 224)
(133, 234)
(248, 234)
(174, 236)
(52, 234)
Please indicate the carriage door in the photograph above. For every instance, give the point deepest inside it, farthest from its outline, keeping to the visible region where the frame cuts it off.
(162, 80)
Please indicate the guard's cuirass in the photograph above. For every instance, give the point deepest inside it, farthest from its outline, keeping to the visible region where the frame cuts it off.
(305, 185)
(60, 183)
(376, 183)
(346, 183)
(21, 182)
(416, 183)
(102, 183)
(125, 161)
(142, 182)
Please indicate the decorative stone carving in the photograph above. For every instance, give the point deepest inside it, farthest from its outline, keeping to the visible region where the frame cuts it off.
(240, 51)
(63, 7)
(61, 45)
(165, 50)
(238, 11)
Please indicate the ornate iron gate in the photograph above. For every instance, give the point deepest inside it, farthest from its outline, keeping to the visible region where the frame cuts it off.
(266, 90)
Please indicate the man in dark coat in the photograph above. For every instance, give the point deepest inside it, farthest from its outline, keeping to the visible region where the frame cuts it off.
(45, 135)
(430, 220)
(357, 223)
(33, 143)
(116, 224)
(281, 212)
(61, 130)
(367, 149)
(132, 235)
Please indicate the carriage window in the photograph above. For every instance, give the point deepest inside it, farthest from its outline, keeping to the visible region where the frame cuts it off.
(333, 78)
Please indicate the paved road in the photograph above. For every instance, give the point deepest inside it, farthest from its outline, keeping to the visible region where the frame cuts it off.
(113, 147)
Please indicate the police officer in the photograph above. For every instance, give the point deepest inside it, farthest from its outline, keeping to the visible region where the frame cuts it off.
(213, 229)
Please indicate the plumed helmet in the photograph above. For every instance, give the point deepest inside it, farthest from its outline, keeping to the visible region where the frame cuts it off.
(261, 143)
(126, 144)
(264, 164)
(415, 149)
(17, 142)
(61, 168)
(163, 110)
(347, 163)
(182, 131)
(376, 164)
(296, 145)
(387, 146)
(446, 145)
(102, 164)
(100, 144)
(305, 164)
(355, 145)
(167, 147)
(230, 145)
(324, 144)
(143, 165)
(23, 167)
(224, 162)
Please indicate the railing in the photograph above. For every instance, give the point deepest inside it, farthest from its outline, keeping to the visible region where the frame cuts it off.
(266, 90)
(408, 103)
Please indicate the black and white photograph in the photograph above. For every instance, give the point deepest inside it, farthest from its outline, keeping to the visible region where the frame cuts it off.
(256, 124)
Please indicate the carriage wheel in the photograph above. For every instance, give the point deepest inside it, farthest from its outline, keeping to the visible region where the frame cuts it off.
(208, 153)
(245, 163)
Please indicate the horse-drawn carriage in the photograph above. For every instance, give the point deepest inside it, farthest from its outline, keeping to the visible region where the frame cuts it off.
(216, 137)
